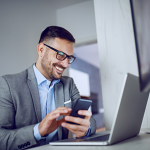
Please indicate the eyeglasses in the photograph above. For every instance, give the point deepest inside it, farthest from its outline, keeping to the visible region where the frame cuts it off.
(61, 55)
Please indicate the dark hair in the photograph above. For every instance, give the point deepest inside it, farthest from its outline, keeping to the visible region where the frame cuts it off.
(52, 32)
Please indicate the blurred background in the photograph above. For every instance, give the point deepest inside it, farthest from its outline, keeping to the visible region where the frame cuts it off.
(105, 46)
(21, 23)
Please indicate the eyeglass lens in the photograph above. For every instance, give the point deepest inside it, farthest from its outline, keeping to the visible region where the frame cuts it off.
(61, 56)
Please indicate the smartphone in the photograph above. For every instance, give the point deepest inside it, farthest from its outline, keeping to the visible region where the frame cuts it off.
(81, 104)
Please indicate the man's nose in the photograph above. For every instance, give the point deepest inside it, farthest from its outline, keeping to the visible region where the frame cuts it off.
(65, 62)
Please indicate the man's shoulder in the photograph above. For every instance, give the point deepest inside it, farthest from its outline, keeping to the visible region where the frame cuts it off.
(66, 79)
(21, 76)
(15, 74)
(15, 78)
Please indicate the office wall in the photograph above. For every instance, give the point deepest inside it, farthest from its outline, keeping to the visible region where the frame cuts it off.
(116, 52)
(81, 80)
(79, 19)
(21, 23)
(95, 86)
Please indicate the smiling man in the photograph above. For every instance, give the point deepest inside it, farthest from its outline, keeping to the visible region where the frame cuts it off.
(35, 104)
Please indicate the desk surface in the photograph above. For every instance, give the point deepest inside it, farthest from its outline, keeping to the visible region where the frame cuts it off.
(140, 142)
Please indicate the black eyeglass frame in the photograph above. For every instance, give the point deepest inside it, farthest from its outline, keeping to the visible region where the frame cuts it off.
(67, 56)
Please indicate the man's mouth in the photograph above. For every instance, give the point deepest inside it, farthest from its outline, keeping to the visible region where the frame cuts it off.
(59, 70)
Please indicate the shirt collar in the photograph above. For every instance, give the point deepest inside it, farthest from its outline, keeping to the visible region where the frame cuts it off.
(40, 78)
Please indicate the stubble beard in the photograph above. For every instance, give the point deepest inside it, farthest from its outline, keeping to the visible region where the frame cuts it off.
(48, 67)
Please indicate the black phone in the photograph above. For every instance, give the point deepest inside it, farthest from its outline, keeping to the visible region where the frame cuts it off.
(81, 104)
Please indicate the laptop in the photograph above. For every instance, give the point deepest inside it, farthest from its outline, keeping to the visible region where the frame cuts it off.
(127, 121)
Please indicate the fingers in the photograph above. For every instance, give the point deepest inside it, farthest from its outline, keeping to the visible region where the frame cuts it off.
(78, 120)
(85, 113)
(61, 111)
(79, 134)
(49, 123)
(84, 122)
(75, 128)
(53, 116)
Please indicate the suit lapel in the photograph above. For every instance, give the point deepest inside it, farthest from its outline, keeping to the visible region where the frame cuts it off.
(59, 102)
(32, 84)
(59, 97)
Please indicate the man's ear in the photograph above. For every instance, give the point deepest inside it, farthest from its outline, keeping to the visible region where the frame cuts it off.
(41, 49)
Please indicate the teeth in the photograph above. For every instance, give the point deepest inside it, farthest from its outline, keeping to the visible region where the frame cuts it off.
(59, 68)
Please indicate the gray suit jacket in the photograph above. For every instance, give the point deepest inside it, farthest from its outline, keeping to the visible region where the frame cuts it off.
(20, 108)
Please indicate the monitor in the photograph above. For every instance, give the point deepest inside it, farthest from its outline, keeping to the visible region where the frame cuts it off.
(140, 10)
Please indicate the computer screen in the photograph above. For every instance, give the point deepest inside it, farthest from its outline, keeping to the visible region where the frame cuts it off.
(141, 24)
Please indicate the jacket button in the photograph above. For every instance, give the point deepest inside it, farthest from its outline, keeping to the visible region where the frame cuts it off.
(25, 144)
(19, 146)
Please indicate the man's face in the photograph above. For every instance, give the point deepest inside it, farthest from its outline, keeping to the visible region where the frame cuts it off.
(52, 68)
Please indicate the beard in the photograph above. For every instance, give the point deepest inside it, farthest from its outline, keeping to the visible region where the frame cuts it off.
(49, 68)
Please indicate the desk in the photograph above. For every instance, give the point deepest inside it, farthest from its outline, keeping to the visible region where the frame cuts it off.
(140, 142)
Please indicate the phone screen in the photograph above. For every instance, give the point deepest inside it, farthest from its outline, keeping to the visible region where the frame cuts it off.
(81, 104)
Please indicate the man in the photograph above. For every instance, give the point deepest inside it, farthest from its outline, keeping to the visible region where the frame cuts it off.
(35, 104)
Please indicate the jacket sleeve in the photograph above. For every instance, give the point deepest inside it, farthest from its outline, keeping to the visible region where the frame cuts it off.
(10, 137)
(74, 97)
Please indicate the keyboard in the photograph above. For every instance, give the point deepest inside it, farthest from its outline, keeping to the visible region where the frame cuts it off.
(99, 138)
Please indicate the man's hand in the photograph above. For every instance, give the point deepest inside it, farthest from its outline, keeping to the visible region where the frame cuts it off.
(83, 126)
(49, 123)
